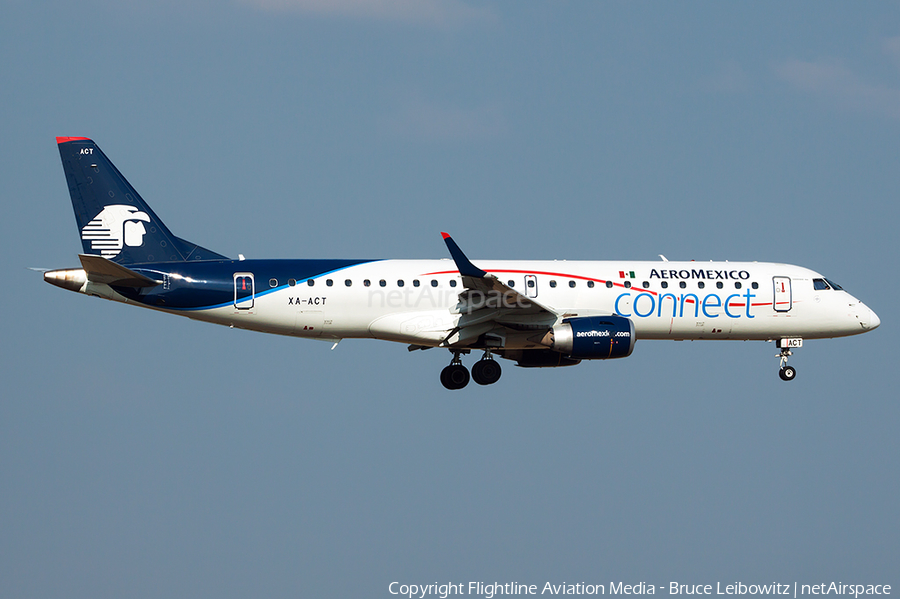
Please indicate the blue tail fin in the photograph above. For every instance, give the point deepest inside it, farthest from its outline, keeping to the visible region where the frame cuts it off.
(113, 219)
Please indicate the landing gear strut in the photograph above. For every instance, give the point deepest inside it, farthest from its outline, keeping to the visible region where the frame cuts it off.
(787, 373)
(486, 371)
(455, 376)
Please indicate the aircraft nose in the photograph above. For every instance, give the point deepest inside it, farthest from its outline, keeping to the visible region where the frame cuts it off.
(866, 317)
(873, 321)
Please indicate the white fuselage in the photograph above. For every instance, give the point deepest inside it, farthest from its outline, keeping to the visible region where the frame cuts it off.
(417, 302)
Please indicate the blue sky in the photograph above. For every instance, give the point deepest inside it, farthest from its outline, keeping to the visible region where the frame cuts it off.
(145, 455)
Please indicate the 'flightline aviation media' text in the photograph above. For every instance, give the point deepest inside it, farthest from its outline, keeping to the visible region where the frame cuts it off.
(490, 590)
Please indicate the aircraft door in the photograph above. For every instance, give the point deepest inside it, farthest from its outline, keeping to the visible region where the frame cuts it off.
(531, 286)
(783, 299)
(244, 291)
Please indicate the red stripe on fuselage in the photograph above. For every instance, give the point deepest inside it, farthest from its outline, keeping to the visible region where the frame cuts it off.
(570, 276)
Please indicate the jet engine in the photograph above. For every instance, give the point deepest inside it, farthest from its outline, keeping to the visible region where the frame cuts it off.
(592, 337)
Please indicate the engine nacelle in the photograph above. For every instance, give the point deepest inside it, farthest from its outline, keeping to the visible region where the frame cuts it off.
(538, 358)
(592, 337)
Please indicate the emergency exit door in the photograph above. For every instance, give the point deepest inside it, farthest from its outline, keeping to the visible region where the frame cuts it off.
(783, 299)
(244, 290)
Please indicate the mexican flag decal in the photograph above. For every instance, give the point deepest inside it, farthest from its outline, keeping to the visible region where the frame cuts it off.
(626, 274)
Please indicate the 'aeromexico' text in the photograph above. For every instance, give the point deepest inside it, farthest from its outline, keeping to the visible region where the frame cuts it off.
(694, 273)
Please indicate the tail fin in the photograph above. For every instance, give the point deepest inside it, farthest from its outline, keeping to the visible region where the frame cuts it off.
(114, 220)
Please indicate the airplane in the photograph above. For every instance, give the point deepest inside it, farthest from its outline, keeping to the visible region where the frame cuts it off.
(543, 313)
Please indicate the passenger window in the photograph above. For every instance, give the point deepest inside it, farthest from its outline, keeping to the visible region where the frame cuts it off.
(310, 282)
(434, 282)
(531, 283)
(646, 284)
(665, 284)
(348, 282)
(683, 285)
(754, 285)
(572, 284)
(590, 284)
(609, 284)
(400, 283)
(700, 284)
(367, 283)
(719, 285)
(292, 282)
(553, 283)
(453, 282)
(737, 285)
(329, 282)
(273, 282)
(382, 283)
(627, 284)
(415, 282)
(511, 283)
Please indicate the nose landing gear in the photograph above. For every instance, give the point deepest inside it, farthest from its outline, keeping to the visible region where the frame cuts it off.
(787, 373)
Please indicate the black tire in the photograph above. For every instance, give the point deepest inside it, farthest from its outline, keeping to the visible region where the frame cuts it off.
(445, 378)
(486, 372)
(455, 376)
(787, 373)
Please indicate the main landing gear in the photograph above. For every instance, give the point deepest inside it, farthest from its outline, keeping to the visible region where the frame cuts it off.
(485, 371)
(455, 376)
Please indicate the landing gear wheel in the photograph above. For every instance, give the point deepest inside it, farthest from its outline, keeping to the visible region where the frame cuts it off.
(455, 377)
(486, 371)
(787, 373)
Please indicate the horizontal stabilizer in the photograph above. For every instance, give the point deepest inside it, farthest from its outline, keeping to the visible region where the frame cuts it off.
(101, 270)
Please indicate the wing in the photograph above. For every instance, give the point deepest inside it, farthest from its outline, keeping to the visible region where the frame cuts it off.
(491, 308)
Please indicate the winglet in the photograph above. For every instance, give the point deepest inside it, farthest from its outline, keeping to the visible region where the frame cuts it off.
(62, 140)
(466, 268)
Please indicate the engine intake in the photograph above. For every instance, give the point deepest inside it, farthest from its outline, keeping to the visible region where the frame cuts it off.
(592, 337)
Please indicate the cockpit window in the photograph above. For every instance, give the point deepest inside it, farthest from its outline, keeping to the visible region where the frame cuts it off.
(822, 284)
